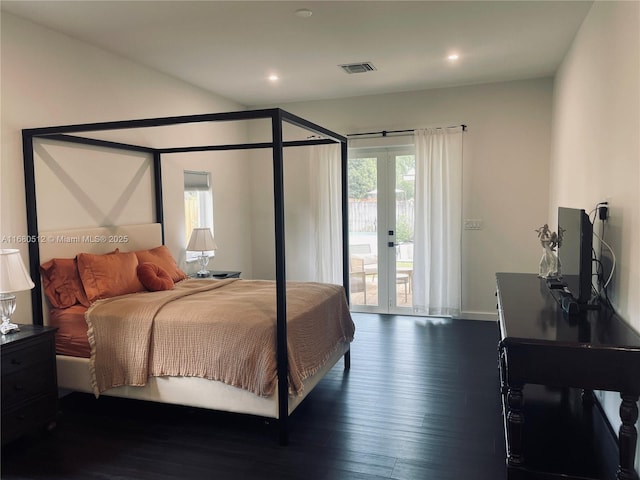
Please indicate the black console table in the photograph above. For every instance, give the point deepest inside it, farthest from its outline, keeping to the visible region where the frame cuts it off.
(541, 345)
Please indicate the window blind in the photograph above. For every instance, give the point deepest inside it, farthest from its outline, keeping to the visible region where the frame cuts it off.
(196, 180)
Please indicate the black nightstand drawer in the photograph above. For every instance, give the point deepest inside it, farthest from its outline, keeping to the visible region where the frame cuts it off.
(29, 384)
(16, 358)
(28, 417)
(21, 386)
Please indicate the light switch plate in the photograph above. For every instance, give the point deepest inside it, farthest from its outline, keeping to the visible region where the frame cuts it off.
(473, 224)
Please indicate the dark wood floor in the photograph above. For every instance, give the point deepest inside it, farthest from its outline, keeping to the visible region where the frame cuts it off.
(421, 401)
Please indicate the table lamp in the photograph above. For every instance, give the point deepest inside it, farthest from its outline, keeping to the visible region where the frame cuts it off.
(13, 278)
(202, 241)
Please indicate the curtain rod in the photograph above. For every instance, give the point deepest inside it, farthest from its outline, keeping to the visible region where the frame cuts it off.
(384, 133)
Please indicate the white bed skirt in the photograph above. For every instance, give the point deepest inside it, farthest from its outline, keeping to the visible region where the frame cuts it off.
(73, 374)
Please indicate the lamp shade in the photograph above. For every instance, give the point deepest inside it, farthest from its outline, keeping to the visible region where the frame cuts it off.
(13, 274)
(201, 241)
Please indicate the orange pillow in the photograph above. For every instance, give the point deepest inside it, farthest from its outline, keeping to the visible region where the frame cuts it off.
(161, 256)
(62, 284)
(154, 277)
(105, 276)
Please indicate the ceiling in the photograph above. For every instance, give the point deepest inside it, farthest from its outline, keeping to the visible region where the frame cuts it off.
(232, 47)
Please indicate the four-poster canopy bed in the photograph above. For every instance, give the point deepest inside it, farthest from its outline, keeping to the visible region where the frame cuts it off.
(79, 373)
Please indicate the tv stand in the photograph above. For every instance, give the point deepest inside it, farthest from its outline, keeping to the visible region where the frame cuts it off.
(551, 359)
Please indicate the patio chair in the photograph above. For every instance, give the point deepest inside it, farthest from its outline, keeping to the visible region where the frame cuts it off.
(366, 261)
(357, 278)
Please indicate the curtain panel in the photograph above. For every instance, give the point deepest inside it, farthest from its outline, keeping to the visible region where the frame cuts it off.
(326, 207)
(438, 222)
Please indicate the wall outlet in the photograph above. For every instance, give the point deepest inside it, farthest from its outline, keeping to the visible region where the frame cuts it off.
(473, 224)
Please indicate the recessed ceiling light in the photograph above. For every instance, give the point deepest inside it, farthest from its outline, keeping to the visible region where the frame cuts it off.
(453, 57)
(303, 13)
(274, 78)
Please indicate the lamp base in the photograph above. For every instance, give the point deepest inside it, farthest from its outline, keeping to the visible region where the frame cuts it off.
(203, 260)
(8, 327)
(7, 307)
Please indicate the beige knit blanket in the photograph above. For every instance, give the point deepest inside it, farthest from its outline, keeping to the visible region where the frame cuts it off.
(221, 330)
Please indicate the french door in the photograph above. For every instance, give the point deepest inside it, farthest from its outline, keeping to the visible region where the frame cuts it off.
(381, 206)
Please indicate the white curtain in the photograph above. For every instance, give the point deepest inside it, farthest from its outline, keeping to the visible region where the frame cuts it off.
(438, 222)
(326, 207)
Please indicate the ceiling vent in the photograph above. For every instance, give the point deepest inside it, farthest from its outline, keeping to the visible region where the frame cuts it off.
(362, 67)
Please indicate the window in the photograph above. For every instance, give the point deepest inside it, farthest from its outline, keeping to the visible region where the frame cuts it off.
(198, 205)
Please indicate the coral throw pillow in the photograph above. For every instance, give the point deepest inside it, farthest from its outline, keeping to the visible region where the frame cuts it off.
(163, 258)
(154, 277)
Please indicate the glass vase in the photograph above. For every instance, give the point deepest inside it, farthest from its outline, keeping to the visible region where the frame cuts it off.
(549, 265)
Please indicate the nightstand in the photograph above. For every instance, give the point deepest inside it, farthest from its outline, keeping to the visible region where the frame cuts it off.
(29, 382)
(218, 274)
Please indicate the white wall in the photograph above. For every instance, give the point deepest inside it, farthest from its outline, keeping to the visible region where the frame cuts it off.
(70, 182)
(506, 168)
(50, 79)
(596, 131)
(596, 144)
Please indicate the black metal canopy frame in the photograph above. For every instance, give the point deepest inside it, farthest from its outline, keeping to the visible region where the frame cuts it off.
(278, 118)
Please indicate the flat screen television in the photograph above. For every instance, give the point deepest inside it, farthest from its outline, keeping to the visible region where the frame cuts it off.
(575, 252)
